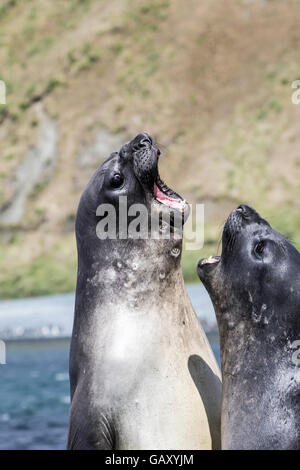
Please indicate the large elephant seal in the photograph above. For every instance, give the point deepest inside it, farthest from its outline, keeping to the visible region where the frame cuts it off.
(142, 373)
(255, 289)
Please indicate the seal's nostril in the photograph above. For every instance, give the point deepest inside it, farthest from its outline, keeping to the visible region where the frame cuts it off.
(141, 141)
(145, 141)
(243, 208)
(246, 211)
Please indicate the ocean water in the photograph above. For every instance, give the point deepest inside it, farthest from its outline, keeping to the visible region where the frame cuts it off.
(34, 393)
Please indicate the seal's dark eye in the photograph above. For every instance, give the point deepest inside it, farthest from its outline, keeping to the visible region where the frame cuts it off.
(117, 180)
(259, 248)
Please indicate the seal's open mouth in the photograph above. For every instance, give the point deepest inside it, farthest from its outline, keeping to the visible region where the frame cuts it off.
(164, 195)
(145, 165)
(206, 266)
(210, 260)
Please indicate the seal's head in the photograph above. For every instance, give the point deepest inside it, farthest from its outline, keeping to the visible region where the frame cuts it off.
(255, 288)
(127, 213)
(132, 175)
(258, 270)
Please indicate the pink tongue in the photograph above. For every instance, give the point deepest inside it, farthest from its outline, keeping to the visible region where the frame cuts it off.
(210, 260)
(167, 200)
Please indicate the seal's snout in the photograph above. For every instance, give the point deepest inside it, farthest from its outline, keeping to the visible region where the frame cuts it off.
(144, 153)
(235, 220)
(239, 217)
(248, 215)
(206, 266)
(247, 212)
(142, 141)
(244, 209)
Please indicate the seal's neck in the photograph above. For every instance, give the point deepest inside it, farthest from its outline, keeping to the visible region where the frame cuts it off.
(254, 347)
(135, 256)
(131, 272)
(258, 376)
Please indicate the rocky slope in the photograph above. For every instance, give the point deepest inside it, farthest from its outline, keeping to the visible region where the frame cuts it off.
(211, 80)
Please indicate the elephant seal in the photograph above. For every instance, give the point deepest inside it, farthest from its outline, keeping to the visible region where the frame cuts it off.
(255, 289)
(142, 373)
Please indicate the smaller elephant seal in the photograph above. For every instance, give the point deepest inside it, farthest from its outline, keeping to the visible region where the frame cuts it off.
(255, 290)
(142, 372)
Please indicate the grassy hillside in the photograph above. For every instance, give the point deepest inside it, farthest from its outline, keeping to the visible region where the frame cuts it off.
(211, 80)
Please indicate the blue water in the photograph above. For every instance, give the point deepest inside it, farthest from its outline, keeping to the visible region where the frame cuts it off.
(34, 393)
(34, 396)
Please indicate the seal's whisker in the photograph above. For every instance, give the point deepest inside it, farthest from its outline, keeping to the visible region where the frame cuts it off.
(163, 148)
(282, 246)
(232, 241)
(221, 228)
(290, 239)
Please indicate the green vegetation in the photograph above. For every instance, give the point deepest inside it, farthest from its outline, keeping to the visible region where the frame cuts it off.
(51, 272)
(6, 7)
(36, 190)
(43, 276)
(118, 47)
(40, 46)
(189, 265)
